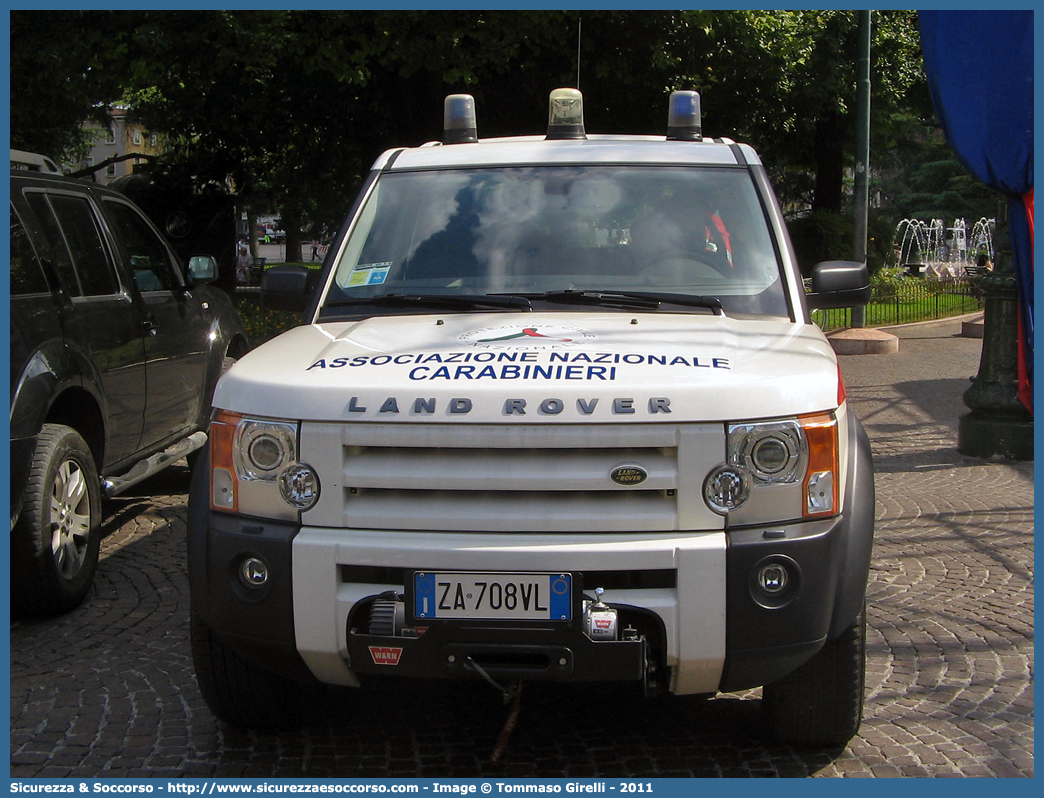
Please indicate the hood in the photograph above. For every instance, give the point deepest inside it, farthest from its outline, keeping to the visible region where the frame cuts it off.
(537, 367)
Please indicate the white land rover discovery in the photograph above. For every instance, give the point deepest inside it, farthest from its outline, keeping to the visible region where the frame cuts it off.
(558, 413)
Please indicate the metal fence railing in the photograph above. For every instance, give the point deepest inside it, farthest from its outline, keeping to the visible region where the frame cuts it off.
(912, 301)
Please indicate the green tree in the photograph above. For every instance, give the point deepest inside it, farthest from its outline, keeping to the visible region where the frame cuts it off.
(293, 106)
(785, 81)
(65, 69)
(939, 187)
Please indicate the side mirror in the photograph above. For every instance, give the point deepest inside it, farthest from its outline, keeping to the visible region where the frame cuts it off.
(202, 269)
(287, 287)
(839, 284)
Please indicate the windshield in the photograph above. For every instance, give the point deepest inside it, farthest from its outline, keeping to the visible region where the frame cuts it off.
(532, 230)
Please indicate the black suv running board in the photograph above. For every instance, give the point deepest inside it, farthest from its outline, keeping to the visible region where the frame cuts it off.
(113, 486)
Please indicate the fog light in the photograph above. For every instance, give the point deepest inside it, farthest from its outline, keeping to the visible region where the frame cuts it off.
(726, 489)
(772, 578)
(774, 581)
(253, 572)
(299, 486)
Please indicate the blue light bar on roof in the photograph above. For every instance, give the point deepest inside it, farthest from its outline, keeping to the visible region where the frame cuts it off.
(683, 117)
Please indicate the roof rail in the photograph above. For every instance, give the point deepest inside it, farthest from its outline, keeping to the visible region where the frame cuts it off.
(33, 162)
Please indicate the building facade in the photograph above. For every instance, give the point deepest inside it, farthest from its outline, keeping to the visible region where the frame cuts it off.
(124, 136)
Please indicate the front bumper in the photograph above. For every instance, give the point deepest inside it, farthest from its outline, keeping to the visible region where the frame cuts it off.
(689, 594)
(639, 571)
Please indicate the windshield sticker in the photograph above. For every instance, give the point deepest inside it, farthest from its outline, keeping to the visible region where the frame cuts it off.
(369, 274)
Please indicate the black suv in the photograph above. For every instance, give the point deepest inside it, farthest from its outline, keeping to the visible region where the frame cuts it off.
(115, 352)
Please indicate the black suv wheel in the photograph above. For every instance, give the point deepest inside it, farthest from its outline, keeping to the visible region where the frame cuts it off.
(54, 545)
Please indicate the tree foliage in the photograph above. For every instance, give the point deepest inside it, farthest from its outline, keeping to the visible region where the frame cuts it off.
(64, 70)
(292, 106)
(937, 186)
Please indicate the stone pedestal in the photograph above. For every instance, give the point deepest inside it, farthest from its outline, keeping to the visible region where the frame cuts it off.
(863, 341)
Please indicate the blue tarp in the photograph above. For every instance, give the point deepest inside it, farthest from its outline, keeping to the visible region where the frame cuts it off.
(980, 74)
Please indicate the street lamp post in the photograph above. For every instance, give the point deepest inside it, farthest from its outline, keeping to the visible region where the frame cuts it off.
(999, 423)
(862, 164)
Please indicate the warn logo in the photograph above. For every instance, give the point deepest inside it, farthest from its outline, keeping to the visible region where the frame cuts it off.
(385, 655)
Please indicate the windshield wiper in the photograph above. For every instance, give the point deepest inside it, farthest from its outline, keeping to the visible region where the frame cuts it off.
(629, 299)
(437, 301)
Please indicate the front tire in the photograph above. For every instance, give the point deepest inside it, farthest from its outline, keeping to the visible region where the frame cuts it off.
(55, 542)
(821, 703)
(236, 690)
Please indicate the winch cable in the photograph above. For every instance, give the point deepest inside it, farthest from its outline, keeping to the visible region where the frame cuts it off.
(507, 692)
(509, 725)
(512, 694)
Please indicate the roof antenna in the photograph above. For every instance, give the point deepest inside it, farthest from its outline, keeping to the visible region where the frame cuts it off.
(579, 23)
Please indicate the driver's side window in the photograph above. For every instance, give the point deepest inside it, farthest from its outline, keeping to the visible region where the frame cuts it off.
(150, 261)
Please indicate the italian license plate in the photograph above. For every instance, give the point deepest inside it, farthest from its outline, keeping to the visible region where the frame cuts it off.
(492, 596)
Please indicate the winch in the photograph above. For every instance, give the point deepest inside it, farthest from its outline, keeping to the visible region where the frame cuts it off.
(600, 620)
(388, 617)
(601, 643)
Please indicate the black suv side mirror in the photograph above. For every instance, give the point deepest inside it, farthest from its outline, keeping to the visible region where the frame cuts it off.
(839, 284)
(202, 269)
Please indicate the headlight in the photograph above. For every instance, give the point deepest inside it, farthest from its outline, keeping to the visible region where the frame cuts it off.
(255, 467)
(299, 486)
(777, 470)
(726, 489)
(773, 452)
(262, 449)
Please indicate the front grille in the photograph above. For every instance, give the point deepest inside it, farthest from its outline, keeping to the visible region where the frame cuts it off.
(513, 478)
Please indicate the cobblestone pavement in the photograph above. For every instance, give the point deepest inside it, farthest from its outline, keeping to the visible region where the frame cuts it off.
(108, 689)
